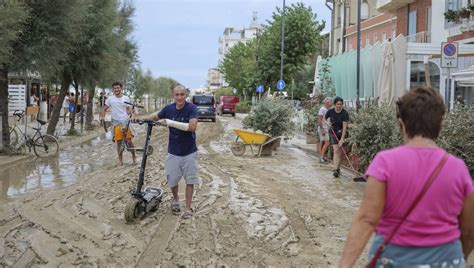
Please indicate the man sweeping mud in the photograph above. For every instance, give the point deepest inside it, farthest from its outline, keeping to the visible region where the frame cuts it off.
(181, 119)
(338, 119)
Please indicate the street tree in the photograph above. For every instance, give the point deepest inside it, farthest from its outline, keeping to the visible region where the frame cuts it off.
(35, 37)
(239, 67)
(302, 35)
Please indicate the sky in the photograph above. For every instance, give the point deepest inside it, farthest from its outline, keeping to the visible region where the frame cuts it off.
(179, 38)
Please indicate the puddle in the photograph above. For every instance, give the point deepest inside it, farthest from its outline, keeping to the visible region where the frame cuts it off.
(56, 172)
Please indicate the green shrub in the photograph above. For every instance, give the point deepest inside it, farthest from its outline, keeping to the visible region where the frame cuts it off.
(457, 135)
(272, 117)
(243, 107)
(374, 129)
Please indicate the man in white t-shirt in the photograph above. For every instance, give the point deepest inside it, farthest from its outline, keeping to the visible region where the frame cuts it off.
(120, 113)
(323, 130)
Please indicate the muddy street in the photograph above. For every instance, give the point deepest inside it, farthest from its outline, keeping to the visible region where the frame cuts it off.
(283, 211)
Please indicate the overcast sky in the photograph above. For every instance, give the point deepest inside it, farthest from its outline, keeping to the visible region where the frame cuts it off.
(179, 38)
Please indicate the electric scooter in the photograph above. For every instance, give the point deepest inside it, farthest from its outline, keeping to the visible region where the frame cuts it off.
(142, 202)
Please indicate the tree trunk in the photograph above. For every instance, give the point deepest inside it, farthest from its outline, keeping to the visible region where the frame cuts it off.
(66, 81)
(5, 135)
(73, 113)
(90, 109)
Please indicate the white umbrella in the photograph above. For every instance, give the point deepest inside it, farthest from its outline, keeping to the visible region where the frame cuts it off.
(317, 84)
(386, 84)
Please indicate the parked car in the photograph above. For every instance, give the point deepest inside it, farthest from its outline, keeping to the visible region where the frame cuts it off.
(227, 105)
(205, 106)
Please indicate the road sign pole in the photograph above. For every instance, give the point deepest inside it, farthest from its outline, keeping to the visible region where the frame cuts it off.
(282, 40)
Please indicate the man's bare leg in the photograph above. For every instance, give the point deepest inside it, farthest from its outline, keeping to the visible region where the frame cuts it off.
(119, 153)
(174, 191)
(189, 196)
(131, 145)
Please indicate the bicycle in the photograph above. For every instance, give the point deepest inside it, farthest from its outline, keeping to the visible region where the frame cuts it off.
(43, 144)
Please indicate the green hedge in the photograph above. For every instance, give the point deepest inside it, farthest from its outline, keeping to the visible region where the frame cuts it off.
(376, 128)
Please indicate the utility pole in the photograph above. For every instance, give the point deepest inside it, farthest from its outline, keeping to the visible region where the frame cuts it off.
(282, 40)
(358, 53)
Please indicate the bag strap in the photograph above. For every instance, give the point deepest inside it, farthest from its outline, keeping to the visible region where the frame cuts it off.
(425, 188)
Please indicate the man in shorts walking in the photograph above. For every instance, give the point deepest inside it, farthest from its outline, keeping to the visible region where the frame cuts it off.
(181, 119)
(120, 113)
(337, 118)
(323, 130)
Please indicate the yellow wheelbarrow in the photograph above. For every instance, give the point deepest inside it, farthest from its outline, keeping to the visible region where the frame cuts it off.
(264, 142)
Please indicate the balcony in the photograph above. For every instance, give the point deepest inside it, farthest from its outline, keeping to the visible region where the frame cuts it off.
(221, 39)
(421, 37)
(391, 5)
(461, 31)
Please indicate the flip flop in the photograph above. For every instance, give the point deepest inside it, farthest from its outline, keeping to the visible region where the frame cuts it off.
(187, 214)
(175, 207)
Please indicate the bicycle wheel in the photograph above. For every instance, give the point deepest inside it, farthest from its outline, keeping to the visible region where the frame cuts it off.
(46, 145)
(13, 137)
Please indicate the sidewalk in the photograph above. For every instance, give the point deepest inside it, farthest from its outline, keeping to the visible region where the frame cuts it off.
(64, 141)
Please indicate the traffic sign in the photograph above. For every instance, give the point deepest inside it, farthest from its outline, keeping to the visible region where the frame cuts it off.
(281, 85)
(260, 88)
(449, 55)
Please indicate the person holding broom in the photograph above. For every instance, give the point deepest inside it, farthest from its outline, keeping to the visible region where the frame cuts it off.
(338, 119)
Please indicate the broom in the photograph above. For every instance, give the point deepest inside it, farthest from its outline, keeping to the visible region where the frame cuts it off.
(358, 178)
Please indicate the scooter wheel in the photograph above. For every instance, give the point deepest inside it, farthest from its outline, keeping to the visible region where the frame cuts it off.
(134, 210)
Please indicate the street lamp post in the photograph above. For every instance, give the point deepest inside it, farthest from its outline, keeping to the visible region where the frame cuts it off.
(358, 53)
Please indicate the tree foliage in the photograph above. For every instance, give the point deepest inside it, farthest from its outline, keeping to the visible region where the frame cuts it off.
(224, 91)
(302, 34)
(239, 68)
(258, 60)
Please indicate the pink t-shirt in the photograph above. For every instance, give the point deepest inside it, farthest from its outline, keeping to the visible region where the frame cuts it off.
(434, 221)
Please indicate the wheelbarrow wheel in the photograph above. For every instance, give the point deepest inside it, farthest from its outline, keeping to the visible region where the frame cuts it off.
(238, 148)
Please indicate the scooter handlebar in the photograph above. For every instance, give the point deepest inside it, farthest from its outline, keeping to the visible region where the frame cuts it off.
(133, 104)
(148, 122)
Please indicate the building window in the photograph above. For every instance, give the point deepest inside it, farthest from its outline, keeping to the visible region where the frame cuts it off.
(428, 19)
(384, 36)
(411, 25)
(394, 33)
(364, 11)
(376, 38)
(453, 4)
(367, 41)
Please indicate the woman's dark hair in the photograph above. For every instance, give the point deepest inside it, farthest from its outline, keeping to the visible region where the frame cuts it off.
(117, 83)
(338, 99)
(422, 111)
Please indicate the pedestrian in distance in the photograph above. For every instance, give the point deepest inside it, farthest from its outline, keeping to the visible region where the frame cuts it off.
(338, 119)
(419, 199)
(181, 119)
(120, 113)
(323, 130)
(65, 107)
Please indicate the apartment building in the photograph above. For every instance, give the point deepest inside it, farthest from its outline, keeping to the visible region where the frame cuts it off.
(232, 36)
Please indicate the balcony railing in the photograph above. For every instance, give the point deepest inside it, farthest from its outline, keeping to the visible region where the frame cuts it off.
(465, 25)
(421, 37)
(391, 5)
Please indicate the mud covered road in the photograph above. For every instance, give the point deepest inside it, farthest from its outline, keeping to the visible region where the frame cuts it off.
(281, 211)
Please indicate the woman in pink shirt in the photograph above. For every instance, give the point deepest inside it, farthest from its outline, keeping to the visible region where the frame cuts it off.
(439, 231)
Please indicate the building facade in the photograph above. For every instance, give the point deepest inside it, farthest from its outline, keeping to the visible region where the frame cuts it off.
(215, 79)
(232, 36)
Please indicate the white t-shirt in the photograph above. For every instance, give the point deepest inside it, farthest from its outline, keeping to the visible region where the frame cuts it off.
(322, 112)
(118, 108)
